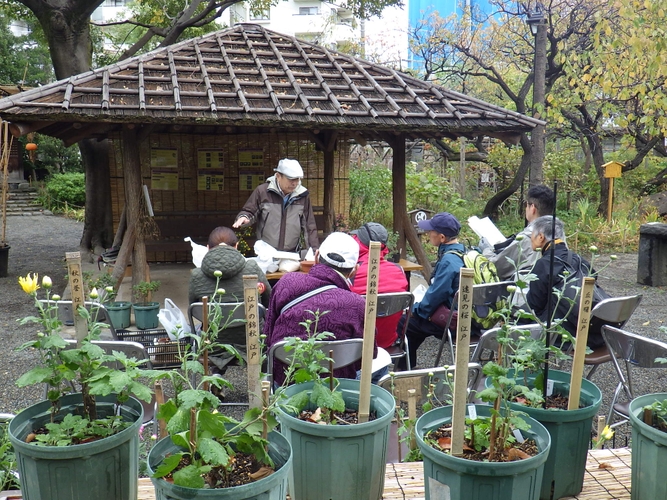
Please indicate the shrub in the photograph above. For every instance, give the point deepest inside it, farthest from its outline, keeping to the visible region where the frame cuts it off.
(67, 188)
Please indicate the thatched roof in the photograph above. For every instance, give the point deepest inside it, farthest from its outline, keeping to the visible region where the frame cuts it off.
(248, 76)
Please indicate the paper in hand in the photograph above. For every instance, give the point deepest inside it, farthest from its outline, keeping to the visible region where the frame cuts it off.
(484, 228)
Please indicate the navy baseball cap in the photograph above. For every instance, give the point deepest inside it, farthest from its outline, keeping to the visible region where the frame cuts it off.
(444, 223)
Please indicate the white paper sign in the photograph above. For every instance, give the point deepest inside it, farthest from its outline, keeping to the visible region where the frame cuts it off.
(550, 387)
(518, 435)
(472, 412)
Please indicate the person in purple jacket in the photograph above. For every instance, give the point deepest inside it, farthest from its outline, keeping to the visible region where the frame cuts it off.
(325, 288)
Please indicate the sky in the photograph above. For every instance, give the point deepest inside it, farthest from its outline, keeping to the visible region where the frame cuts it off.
(387, 37)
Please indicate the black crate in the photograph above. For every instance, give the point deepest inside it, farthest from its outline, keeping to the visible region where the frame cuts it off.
(162, 351)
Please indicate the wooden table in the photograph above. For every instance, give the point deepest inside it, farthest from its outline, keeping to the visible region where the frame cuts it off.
(407, 266)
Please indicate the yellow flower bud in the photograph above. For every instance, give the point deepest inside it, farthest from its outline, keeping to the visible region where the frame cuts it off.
(217, 274)
(520, 237)
(607, 433)
(94, 294)
(220, 291)
(593, 248)
(109, 289)
(46, 282)
(613, 257)
(55, 297)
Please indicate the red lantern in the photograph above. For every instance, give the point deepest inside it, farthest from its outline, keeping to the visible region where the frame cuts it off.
(31, 146)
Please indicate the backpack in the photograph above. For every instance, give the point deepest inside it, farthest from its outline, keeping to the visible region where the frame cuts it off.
(484, 271)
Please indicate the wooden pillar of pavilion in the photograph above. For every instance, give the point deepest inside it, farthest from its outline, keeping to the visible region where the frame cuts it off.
(327, 143)
(402, 224)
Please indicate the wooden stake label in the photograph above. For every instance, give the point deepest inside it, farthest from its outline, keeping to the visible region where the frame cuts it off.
(585, 306)
(369, 330)
(76, 288)
(462, 359)
(252, 340)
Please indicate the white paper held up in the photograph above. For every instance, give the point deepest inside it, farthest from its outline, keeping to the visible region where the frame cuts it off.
(484, 228)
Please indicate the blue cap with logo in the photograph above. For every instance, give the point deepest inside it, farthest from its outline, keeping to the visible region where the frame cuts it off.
(444, 223)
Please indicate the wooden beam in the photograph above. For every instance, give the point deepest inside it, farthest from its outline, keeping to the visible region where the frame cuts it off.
(17, 129)
(78, 135)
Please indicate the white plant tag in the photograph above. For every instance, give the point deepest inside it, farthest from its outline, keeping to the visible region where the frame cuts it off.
(550, 387)
(518, 435)
(438, 490)
(472, 412)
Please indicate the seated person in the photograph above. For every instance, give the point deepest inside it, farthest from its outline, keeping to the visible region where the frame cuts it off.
(564, 260)
(224, 257)
(291, 303)
(443, 233)
(539, 202)
(392, 278)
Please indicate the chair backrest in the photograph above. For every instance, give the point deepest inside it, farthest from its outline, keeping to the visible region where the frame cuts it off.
(66, 313)
(392, 303)
(487, 346)
(616, 309)
(345, 352)
(635, 350)
(487, 294)
(421, 379)
(232, 312)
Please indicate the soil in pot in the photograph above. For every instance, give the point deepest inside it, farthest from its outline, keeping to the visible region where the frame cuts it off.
(347, 417)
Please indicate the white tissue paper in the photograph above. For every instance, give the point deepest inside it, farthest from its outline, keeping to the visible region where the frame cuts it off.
(267, 255)
(198, 252)
(418, 293)
(310, 255)
(288, 265)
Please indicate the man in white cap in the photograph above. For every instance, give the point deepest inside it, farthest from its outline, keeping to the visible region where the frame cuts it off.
(282, 210)
(326, 288)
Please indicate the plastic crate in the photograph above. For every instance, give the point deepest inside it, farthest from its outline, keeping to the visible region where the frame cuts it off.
(162, 351)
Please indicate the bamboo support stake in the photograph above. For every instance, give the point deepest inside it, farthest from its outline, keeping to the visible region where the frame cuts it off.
(76, 289)
(266, 389)
(5, 153)
(412, 415)
(585, 306)
(369, 330)
(204, 328)
(159, 401)
(602, 422)
(254, 356)
(462, 358)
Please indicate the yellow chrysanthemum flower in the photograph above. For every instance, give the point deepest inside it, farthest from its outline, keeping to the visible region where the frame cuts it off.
(29, 284)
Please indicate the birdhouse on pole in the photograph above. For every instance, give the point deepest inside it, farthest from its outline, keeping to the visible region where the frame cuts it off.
(612, 169)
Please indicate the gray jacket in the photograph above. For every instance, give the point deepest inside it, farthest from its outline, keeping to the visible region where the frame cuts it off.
(520, 252)
(281, 225)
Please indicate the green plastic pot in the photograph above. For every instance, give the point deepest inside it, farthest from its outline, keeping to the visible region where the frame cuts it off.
(119, 314)
(273, 487)
(339, 462)
(464, 479)
(106, 469)
(145, 315)
(649, 452)
(570, 432)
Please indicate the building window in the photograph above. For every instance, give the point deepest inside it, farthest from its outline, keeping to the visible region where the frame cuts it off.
(115, 3)
(308, 11)
(264, 15)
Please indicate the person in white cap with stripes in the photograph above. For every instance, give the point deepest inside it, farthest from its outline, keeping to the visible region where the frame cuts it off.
(282, 211)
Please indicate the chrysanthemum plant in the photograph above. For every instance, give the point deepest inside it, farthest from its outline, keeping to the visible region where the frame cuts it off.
(85, 368)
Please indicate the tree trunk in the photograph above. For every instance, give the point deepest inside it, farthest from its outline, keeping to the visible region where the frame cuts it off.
(491, 208)
(98, 225)
(538, 135)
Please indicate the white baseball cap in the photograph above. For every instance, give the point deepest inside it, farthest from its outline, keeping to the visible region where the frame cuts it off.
(340, 250)
(290, 168)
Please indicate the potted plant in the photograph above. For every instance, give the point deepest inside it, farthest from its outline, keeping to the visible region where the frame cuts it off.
(339, 460)
(648, 416)
(504, 451)
(119, 311)
(90, 437)
(208, 454)
(145, 312)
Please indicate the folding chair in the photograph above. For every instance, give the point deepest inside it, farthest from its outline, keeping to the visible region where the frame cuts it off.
(615, 311)
(487, 347)
(392, 303)
(637, 352)
(484, 295)
(420, 381)
(345, 352)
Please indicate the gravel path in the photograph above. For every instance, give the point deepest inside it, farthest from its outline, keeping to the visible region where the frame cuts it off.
(39, 244)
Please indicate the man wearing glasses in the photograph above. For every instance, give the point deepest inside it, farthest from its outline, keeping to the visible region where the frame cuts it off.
(539, 201)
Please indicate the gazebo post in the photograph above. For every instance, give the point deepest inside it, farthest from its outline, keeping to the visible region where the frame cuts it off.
(329, 143)
(133, 199)
(401, 223)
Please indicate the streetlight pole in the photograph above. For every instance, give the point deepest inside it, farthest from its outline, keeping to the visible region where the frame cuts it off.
(537, 22)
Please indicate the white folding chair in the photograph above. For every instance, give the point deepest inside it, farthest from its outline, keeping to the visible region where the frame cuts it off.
(485, 296)
(615, 311)
(345, 353)
(389, 304)
(636, 352)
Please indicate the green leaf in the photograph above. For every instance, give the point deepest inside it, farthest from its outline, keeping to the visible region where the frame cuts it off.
(37, 375)
(190, 476)
(299, 400)
(168, 464)
(212, 452)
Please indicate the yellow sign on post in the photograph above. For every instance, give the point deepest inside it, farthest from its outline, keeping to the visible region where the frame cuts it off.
(76, 288)
(462, 358)
(612, 170)
(252, 340)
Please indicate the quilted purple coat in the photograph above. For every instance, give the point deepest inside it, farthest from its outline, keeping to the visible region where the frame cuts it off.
(345, 318)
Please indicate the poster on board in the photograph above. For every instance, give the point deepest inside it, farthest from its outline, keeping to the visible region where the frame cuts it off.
(164, 179)
(253, 158)
(164, 158)
(210, 180)
(210, 158)
(249, 179)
